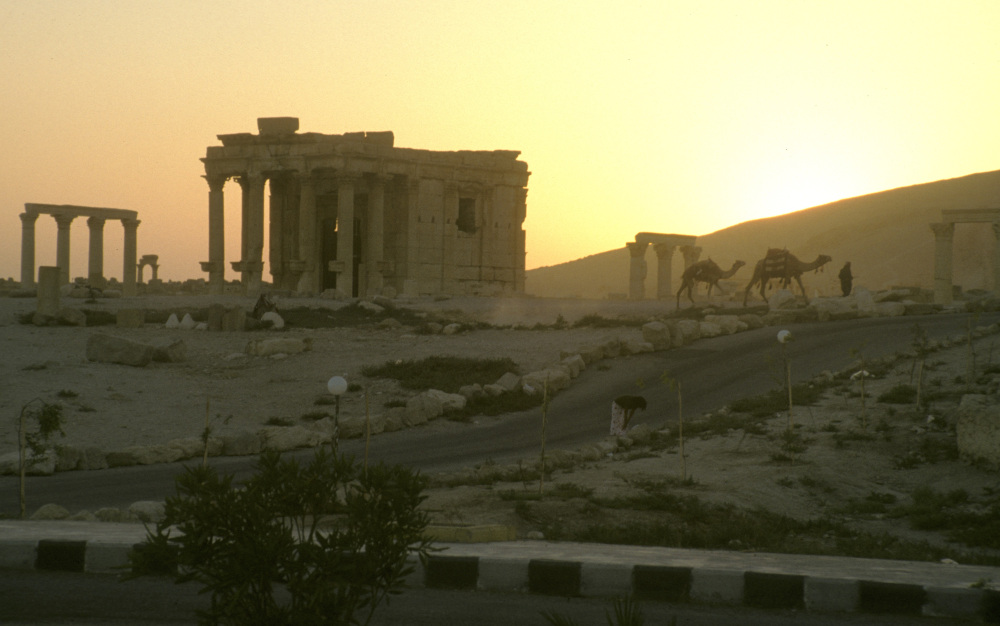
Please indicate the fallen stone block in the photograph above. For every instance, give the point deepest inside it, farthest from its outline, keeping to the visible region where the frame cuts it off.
(170, 351)
(107, 349)
(240, 443)
(148, 511)
(283, 345)
(71, 317)
(50, 512)
(658, 334)
(449, 401)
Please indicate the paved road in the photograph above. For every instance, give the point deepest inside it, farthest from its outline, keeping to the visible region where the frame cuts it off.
(28, 598)
(712, 372)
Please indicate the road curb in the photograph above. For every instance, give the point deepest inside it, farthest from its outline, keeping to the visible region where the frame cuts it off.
(485, 567)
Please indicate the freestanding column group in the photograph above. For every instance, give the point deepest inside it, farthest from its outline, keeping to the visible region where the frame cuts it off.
(64, 215)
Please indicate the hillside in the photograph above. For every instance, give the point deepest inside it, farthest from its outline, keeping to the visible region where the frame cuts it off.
(885, 235)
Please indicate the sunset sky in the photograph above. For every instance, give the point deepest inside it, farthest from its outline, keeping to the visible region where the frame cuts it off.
(664, 116)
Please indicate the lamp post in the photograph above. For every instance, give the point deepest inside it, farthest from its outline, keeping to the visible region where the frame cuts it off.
(337, 386)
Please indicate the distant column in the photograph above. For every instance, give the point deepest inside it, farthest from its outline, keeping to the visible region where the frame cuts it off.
(637, 270)
(691, 254)
(28, 249)
(254, 259)
(664, 269)
(95, 267)
(308, 232)
(345, 234)
(129, 256)
(62, 246)
(276, 254)
(216, 265)
(943, 234)
(376, 234)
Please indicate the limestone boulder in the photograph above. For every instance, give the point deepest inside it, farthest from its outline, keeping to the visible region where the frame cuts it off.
(371, 307)
(48, 512)
(108, 349)
(190, 447)
(187, 322)
(575, 364)
(449, 401)
(71, 317)
(890, 309)
(494, 390)
(781, 299)
(170, 351)
(709, 329)
(92, 458)
(592, 354)
(865, 301)
(241, 443)
(283, 345)
(690, 330)
(752, 320)
(612, 348)
(729, 324)
(451, 329)
(394, 418)
(111, 514)
(978, 430)
(657, 334)
(422, 408)
(283, 438)
(148, 511)
(143, 455)
(172, 321)
(555, 377)
(835, 308)
(472, 392)
(509, 381)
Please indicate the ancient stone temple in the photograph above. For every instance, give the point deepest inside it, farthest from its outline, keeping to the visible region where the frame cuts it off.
(354, 213)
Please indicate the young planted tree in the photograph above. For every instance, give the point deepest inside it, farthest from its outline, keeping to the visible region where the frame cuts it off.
(312, 543)
(48, 422)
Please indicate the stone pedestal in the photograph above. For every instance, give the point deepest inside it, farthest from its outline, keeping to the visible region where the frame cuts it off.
(48, 290)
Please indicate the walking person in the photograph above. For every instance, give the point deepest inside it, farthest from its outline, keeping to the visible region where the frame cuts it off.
(622, 410)
(846, 279)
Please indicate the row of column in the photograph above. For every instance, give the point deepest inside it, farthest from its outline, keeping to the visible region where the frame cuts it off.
(95, 269)
(944, 233)
(303, 263)
(664, 267)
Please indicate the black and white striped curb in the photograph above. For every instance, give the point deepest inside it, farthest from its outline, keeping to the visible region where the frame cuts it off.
(719, 578)
(706, 585)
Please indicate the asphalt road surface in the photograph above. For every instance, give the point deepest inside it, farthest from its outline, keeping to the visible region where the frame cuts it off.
(712, 373)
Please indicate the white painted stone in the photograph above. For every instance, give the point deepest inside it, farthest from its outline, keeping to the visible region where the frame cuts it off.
(277, 322)
(187, 323)
(172, 321)
(50, 512)
(149, 511)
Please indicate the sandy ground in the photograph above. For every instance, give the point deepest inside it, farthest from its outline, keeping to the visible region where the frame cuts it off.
(114, 406)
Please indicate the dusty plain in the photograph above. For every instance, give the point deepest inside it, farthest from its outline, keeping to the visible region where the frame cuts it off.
(856, 472)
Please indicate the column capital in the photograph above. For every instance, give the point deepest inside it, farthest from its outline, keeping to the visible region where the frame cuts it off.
(943, 230)
(664, 249)
(64, 220)
(96, 222)
(28, 219)
(130, 223)
(343, 178)
(637, 248)
(216, 181)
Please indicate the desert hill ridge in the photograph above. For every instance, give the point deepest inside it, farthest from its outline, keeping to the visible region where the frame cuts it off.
(886, 236)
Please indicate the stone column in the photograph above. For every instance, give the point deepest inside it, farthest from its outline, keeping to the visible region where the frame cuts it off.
(95, 268)
(637, 270)
(943, 234)
(664, 270)
(28, 249)
(345, 234)
(691, 254)
(254, 259)
(62, 246)
(216, 265)
(376, 233)
(449, 233)
(276, 229)
(308, 236)
(129, 260)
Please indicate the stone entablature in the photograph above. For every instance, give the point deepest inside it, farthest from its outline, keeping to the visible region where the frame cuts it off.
(944, 233)
(664, 245)
(64, 214)
(424, 222)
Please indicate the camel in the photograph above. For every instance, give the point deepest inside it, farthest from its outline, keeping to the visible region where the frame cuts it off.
(705, 272)
(782, 265)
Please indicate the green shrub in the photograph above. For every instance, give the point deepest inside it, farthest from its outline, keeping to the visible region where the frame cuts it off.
(900, 394)
(297, 543)
(776, 400)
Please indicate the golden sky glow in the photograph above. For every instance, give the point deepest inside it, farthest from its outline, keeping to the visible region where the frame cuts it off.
(663, 116)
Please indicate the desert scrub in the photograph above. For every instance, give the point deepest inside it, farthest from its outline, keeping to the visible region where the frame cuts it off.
(776, 400)
(446, 373)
